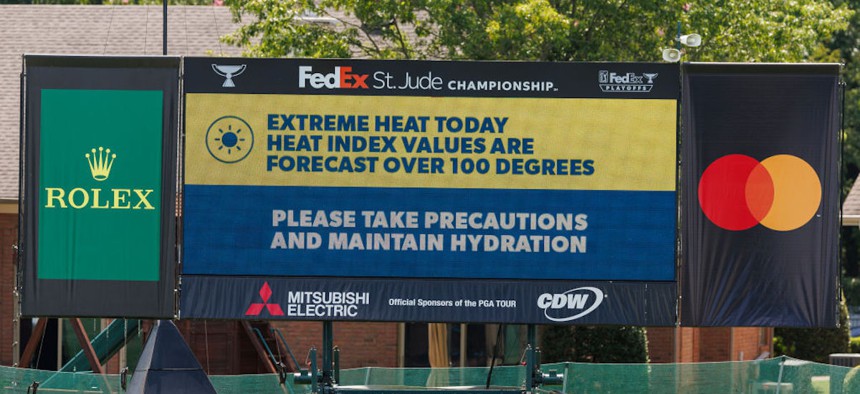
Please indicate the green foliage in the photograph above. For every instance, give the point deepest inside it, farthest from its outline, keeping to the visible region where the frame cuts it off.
(851, 290)
(845, 44)
(764, 31)
(597, 344)
(552, 30)
(814, 344)
(854, 345)
(300, 28)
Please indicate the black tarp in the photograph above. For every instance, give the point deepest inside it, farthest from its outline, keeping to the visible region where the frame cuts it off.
(760, 195)
(168, 365)
(73, 255)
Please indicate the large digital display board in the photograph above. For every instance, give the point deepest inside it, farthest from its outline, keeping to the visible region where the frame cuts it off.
(430, 191)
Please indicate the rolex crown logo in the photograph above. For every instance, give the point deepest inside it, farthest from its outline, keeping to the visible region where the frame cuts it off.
(100, 163)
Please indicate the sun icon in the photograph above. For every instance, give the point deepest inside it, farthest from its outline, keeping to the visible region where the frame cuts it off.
(229, 139)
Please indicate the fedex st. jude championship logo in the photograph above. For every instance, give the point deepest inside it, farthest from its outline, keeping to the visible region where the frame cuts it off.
(625, 82)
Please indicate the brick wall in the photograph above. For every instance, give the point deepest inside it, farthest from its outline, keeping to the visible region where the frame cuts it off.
(750, 342)
(708, 344)
(714, 344)
(223, 347)
(661, 344)
(8, 238)
(360, 344)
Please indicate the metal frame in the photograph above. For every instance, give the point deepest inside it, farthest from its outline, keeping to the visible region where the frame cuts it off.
(325, 380)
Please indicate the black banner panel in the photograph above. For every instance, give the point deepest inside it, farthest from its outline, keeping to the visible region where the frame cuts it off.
(760, 191)
(547, 302)
(99, 186)
(546, 188)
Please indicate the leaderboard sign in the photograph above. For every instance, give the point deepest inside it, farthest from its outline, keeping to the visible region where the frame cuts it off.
(430, 191)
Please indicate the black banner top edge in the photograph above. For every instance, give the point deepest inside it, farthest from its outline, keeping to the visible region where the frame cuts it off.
(432, 78)
(771, 68)
(98, 61)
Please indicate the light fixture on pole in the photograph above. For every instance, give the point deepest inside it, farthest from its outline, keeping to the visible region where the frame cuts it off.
(691, 40)
(673, 55)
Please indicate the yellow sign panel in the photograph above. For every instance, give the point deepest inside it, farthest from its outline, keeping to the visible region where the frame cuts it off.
(486, 143)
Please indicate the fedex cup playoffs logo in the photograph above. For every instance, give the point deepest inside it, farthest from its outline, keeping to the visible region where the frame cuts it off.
(781, 192)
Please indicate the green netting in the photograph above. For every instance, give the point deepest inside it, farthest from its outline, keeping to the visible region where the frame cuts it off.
(790, 375)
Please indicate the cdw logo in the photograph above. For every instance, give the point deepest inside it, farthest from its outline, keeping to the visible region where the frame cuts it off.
(341, 78)
(571, 304)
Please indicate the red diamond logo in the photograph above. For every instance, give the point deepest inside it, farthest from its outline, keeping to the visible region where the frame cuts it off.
(255, 309)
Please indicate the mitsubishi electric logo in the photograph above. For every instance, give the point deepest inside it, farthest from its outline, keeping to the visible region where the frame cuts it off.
(256, 307)
(570, 305)
(611, 82)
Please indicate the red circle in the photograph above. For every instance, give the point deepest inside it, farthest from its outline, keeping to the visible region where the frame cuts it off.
(724, 194)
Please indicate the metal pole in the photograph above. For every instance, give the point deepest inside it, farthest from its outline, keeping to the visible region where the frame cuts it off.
(463, 345)
(314, 372)
(779, 377)
(59, 343)
(327, 350)
(336, 352)
(530, 358)
(19, 261)
(532, 335)
(164, 28)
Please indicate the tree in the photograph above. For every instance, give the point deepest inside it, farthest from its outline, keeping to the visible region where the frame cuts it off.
(843, 49)
(814, 344)
(597, 344)
(550, 30)
(764, 31)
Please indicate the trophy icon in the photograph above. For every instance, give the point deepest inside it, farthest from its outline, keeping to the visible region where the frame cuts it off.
(228, 72)
(650, 76)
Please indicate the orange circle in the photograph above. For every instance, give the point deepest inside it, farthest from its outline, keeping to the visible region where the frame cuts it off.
(796, 192)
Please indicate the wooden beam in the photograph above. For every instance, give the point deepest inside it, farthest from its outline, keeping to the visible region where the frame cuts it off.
(33, 342)
(264, 357)
(86, 346)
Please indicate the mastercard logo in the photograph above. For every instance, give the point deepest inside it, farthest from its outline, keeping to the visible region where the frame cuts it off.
(737, 192)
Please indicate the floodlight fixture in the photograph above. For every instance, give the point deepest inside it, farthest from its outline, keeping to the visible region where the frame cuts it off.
(691, 40)
(671, 55)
